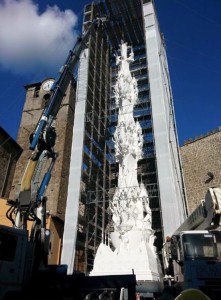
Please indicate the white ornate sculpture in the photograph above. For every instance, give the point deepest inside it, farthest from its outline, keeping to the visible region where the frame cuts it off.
(133, 236)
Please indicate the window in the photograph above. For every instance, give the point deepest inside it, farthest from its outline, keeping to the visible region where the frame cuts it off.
(217, 238)
(36, 91)
(199, 246)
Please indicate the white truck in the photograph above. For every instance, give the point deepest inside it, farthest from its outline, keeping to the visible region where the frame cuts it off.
(192, 256)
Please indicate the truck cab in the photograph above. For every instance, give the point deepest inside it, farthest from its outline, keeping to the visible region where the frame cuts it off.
(196, 259)
(15, 262)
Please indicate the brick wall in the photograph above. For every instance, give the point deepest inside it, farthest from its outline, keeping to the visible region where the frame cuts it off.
(198, 158)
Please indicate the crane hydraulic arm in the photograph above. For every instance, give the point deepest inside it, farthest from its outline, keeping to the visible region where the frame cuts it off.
(191, 256)
(43, 139)
(207, 215)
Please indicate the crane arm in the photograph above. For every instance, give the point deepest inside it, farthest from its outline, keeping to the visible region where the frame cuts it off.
(207, 215)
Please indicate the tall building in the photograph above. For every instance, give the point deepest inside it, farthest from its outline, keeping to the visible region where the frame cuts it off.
(37, 94)
(93, 168)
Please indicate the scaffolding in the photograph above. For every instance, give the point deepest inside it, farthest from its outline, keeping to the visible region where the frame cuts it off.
(92, 219)
(99, 168)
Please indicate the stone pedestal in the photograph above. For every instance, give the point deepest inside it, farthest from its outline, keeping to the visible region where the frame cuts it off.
(133, 254)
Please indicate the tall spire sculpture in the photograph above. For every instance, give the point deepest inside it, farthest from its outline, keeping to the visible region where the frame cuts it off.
(132, 238)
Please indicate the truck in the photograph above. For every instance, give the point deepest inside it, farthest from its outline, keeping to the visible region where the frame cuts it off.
(24, 269)
(192, 255)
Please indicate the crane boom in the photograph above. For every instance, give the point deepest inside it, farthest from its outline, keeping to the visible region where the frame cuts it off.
(192, 255)
(207, 215)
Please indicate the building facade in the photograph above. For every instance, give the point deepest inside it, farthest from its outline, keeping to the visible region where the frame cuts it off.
(93, 168)
(10, 152)
(201, 160)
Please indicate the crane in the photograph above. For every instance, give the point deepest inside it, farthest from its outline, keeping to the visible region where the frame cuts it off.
(21, 252)
(192, 254)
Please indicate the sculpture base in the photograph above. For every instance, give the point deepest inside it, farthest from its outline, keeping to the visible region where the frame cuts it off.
(132, 255)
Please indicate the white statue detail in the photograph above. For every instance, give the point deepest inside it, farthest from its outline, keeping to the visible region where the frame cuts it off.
(133, 236)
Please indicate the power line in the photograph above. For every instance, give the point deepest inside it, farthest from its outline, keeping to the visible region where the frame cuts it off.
(197, 13)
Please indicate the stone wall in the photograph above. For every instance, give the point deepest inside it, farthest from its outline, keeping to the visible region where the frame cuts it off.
(56, 192)
(201, 161)
(9, 154)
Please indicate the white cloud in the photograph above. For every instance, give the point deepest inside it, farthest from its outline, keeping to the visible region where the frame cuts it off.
(31, 41)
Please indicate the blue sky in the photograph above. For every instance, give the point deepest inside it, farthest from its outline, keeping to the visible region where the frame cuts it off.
(35, 37)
